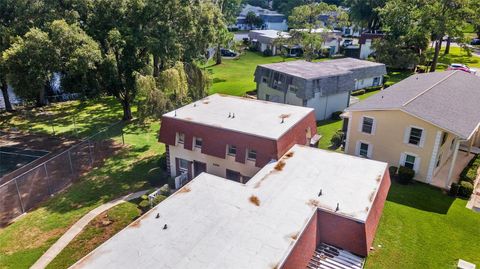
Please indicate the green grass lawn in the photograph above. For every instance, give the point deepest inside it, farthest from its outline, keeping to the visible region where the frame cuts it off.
(457, 55)
(97, 231)
(423, 228)
(235, 77)
(133, 169)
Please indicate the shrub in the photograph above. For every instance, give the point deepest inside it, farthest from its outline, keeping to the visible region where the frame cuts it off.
(267, 52)
(385, 78)
(158, 199)
(357, 93)
(469, 173)
(165, 190)
(465, 189)
(405, 175)
(453, 190)
(373, 88)
(144, 205)
(336, 115)
(392, 170)
(337, 139)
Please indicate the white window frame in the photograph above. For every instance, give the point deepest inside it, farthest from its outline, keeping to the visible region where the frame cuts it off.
(416, 165)
(374, 125)
(248, 155)
(406, 136)
(180, 141)
(293, 89)
(228, 150)
(195, 142)
(183, 169)
(369, 151)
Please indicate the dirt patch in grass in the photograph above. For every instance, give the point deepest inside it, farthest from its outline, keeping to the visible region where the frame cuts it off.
(32, 238)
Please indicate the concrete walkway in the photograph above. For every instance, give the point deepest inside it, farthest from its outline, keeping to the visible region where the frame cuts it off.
(66, 238)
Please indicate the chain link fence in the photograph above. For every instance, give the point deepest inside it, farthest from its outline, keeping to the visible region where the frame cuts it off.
(28, 189)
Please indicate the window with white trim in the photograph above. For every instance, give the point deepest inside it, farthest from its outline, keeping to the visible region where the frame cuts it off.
(367, 125)
(198, 142)
(252, 155)
(409, 161)
(180, 138)
(363, 150)
(231, 150)
(183, 166)
(415, 137)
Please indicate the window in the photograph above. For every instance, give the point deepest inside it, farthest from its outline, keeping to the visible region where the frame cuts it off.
(304, 102)
(181, 138)
(232, 150)
(363, 150)
(293, 89)
(198, 142)
(264, 80)
(252, 155)
(444, 138)
(409, 161)
(267, 97)
(233, 175)
(376, 81)
(367, 125)
(183, 165)
(415, 136)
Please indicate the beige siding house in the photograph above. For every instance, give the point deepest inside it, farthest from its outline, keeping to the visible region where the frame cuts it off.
(421, 123)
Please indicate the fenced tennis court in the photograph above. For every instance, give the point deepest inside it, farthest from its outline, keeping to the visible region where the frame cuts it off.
(12, 158)
(26, 190)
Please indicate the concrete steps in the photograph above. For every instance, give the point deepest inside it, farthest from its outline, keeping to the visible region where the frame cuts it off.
(330, 257)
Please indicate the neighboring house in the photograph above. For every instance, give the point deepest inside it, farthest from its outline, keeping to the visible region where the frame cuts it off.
(420, 122)
(272, 20)
(331, 39)
(310, 209)
(324, 86)
(365, 41)
(264, 40)
(231, 137)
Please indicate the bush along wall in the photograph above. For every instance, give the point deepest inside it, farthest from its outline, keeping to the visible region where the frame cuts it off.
(466, 183)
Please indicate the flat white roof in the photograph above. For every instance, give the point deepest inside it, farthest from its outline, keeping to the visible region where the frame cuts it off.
(255, 117)
(216, 223)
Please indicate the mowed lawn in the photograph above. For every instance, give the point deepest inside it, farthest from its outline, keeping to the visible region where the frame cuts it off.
(235, 77)
(421, 227)
(133, 168)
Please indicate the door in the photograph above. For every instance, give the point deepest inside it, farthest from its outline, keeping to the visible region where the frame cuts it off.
(233, 175)
(198, 168)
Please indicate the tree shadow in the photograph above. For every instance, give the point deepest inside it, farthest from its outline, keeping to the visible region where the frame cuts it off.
(218, 80)
(420, 196)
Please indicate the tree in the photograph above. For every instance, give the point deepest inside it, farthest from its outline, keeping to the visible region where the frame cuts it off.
(78, 55)
(286, 6)
(30, 62)
(447, 17)
(365, 12)
(229, 10)
(253, 20)
(308, 31)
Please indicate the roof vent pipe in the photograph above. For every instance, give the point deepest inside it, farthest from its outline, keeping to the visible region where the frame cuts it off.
(320, 193)
(283, 120)
(229, 115)
(175, 113)
(165, 226)
(338, 207)
(233, 116)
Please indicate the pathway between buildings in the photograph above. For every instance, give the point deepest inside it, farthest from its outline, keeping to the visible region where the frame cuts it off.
(66, 238)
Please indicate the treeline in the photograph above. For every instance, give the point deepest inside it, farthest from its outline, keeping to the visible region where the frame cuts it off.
(130, 49)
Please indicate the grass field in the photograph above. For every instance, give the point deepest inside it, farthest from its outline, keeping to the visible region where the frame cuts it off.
(23, 242)
(423, 228)
(235, 77)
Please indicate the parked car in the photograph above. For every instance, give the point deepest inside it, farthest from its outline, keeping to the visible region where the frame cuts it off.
(475, 41)
(462, 67)
(228, 53)
(347, 42)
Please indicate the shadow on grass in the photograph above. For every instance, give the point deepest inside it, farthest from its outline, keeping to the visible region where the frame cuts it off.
(120, 175)
(420, 196)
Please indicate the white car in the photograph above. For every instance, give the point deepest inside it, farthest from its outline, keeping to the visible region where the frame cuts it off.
(462, 67)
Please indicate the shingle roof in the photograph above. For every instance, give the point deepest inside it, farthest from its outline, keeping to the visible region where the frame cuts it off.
(449, 100)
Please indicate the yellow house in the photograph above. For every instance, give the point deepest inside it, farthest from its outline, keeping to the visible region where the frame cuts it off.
(422, 123)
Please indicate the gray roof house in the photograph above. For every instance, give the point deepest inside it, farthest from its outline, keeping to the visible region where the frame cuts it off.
(420, 123)
(324, 86)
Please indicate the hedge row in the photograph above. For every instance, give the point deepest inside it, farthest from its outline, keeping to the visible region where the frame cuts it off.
(365, 90)
(467, 178)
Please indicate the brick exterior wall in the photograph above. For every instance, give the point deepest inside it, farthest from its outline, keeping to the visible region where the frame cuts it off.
(342, 232)
(215, 140)
(377, 208)
(304, 247)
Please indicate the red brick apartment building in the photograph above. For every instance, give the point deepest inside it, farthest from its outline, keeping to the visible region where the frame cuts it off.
(232, 137)
(310, 209)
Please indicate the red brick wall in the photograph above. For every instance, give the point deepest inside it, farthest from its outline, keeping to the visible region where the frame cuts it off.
(297, 135)
(215, 140)
(304, 247)
(377, 208)
(342, 232)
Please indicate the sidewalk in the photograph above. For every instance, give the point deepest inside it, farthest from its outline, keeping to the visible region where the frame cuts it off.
(66, 238)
